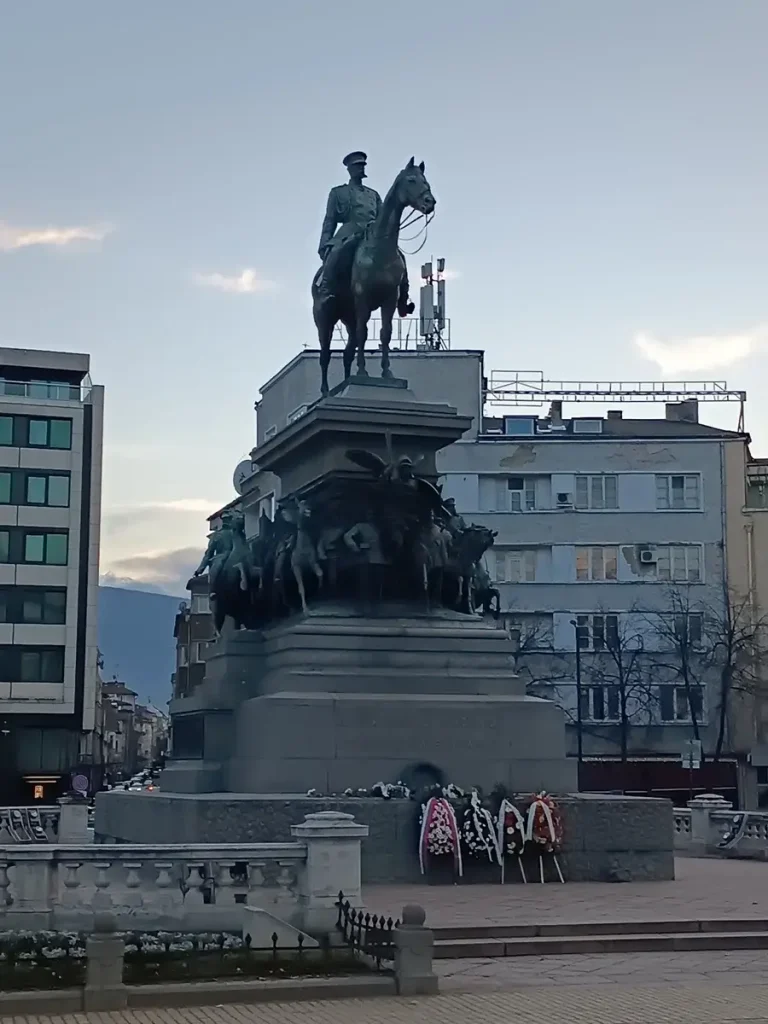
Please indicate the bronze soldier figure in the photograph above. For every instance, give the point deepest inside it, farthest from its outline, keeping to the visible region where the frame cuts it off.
(354, 206)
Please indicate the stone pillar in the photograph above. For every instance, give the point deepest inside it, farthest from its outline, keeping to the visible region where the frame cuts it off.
(34, 871)
(73, 822)
(333, 843)
(414, 949)
(702, 831)
(104, 988)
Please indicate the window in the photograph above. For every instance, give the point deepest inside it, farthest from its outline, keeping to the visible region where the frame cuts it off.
(45, 606)
(48, 489)
(679, 563)
(587, 426)
(600, 704)
(688, 628)
(201, 604)
(518, 425)
(50, 433)
(676, 702)
(597, 564)
(4, 596)
(507, 493)
(41, 665)
(183, 655)
(596, 632)
(6, 430)
(5, 488)
(516, 566)
(5, 546)
(676, 492)
(46, 548)
(597, 492)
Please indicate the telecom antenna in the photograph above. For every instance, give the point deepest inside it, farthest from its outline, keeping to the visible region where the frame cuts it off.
(432, 320)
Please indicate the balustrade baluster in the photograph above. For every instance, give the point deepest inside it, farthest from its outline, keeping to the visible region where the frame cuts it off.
(5, 897)
(194, 883)
(286, 880)
(102, 900)
(224, 892)
(132, 896)
(71, 896)
(255, 882)
(169, 894)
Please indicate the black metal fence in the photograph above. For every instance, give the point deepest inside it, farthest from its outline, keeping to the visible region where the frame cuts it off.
(366, 933)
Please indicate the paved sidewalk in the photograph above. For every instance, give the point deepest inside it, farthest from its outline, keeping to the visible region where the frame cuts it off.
(724, 969)
(706, 1004)
(702, 889)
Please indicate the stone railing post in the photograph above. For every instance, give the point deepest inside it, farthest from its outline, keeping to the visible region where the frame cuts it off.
(33, 886)
(73, 821)
(414, 950)
(104, 987)
(702, 829)
(333, 841)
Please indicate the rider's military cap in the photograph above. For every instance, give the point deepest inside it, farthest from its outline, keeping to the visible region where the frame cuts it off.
(358, 157)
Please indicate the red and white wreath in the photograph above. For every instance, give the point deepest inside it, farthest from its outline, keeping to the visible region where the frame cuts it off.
(439, 833)
(545, 824)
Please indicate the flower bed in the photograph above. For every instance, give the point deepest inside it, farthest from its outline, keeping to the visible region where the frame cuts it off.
(57, 960)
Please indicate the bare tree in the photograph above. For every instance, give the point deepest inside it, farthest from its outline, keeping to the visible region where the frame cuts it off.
(617, 662)
(680, 654)
(725, 643)
(735, 638)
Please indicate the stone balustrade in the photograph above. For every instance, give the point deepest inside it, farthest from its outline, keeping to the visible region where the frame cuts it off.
(29, 824)
(708, 826)
(183, 887)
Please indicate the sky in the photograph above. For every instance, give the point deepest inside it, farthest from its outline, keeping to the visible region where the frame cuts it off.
(600, 169)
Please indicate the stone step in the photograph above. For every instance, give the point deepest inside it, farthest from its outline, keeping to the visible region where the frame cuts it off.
(566, 929)
(558, 945)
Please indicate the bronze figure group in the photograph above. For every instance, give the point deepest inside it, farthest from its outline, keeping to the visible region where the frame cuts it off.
(383, 536)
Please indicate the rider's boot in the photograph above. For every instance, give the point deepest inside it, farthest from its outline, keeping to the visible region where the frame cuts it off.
(404, 307)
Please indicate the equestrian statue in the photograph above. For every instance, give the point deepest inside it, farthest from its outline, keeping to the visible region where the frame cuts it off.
(363, 268)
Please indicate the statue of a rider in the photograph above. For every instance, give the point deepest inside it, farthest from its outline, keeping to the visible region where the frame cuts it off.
(355, 207)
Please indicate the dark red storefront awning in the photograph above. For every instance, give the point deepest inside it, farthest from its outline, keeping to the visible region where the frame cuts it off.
(655, 775)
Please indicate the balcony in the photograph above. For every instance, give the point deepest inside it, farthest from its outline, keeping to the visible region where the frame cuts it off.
(46, 391)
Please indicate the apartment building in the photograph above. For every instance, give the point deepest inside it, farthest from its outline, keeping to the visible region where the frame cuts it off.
(192, 631)
(50, 502)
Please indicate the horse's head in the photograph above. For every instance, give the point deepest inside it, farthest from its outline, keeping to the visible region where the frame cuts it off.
(413, 188)
(480, 539)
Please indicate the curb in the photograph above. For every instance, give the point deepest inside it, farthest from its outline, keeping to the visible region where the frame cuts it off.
(204, 993)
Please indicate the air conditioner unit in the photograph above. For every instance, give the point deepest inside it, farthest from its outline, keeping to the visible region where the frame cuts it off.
(270, 432)
(647, 556)
(564, 499)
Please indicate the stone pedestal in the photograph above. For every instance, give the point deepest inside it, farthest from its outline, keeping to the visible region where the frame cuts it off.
(333, 842)
(73, 822)
(414, 951)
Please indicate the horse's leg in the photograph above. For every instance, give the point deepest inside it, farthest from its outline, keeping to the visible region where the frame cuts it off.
(325, 333)
(351, 346)
(362, 314)
(297, 575)
(387, 313)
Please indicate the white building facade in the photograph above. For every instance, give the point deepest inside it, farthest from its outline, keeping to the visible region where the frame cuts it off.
(51, 425)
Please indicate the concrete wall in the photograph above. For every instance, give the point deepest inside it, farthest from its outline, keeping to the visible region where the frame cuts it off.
(606, 838)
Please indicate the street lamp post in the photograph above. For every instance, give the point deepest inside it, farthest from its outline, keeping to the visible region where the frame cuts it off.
(579, 724)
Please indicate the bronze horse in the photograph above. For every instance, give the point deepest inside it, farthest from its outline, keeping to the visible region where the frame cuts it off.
(378, 269)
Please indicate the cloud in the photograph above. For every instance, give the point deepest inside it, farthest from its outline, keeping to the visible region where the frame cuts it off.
(701, 352)
(165, 571)
(247, 282)
(13, 238)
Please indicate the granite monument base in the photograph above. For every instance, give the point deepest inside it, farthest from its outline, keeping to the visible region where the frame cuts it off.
(607, 838)
(337, 699)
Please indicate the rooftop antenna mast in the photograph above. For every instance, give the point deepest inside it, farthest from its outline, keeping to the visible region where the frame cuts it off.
(432, 322)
